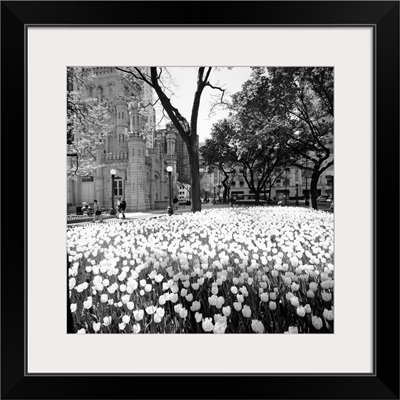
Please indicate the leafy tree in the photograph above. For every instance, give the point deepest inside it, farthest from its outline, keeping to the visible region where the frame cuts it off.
(88, 122)
(260, 137)
(301, 100)
(217, 154)
(187, 129)
(246, 145)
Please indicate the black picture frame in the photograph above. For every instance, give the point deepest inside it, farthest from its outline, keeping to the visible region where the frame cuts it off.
(383, 383)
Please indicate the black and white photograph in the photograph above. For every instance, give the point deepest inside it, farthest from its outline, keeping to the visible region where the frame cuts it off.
(215, 169)
(200, 199)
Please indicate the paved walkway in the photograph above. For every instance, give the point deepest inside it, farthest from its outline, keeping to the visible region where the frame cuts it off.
(158, 213)
(148, 214)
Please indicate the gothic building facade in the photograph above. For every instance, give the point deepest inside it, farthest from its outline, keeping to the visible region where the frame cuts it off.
(136, 158)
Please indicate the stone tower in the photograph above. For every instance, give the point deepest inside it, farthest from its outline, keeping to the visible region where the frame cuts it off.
(170, 157)
(98, 181)
(121, 121)
(136, 173)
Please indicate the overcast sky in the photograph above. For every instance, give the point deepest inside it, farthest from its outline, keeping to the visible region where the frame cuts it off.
(185, 80)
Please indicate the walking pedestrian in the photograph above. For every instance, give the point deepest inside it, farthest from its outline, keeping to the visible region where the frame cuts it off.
(97, 211)
(121, 207)
(176, 203)
(232, 200)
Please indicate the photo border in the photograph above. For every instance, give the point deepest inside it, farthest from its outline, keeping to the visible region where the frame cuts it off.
(384, 382)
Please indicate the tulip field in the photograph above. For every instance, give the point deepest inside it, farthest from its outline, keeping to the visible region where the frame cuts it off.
(230, 270)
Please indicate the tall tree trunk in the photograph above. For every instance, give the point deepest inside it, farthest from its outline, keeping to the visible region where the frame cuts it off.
(189, 135)
(313, 188)
(194, 173)
(270, 190)
(225, 192)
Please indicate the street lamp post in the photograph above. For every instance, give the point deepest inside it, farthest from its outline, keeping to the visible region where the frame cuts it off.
(306, 172)
(170, 210)
(112, 172)
(286, 194)
(214, 196)
(297, 193)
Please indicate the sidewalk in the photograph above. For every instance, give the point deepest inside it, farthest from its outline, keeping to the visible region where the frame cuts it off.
(147, 214)
(181, 210)
(158, 213)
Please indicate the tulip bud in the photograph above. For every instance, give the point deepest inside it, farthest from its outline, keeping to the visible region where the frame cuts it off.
(257, 326)
(317, 322)
(246, 311)
(301, 312)
(96, 326)
(264, 297)
(226, 311)
(326, 296)
(207, 325)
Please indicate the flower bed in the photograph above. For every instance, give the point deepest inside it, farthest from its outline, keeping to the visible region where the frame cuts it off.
(263, 270)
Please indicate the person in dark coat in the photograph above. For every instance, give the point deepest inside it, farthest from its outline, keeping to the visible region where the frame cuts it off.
(121, 207)
(176, 203)
(97, 211)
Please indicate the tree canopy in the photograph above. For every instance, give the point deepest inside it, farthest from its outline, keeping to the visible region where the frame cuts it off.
(282, 117)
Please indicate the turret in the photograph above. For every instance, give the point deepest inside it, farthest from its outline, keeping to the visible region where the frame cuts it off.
(121, 124)
(135, 194)
(171, 139)
(98, 176)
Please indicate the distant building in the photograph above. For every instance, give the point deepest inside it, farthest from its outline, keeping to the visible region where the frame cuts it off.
(285, 185)
(181, 151)
(184, 193)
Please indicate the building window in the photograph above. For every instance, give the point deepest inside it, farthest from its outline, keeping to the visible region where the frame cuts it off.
(117, 186)
(100, 94)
